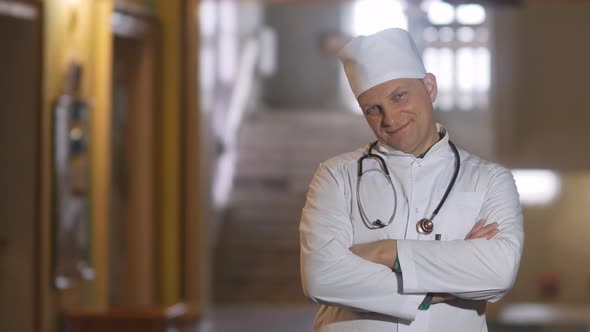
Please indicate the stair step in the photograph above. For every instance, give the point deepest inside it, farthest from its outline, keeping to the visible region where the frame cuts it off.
(257, 254)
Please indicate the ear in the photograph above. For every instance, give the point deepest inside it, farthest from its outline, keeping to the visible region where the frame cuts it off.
(431, 87)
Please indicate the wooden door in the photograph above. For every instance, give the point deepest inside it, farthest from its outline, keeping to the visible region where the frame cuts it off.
(19, 157)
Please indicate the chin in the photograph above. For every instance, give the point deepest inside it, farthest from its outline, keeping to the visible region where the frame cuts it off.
(395, 146)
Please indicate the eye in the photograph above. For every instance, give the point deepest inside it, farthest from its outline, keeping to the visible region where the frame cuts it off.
(399, 96)
(372, 110)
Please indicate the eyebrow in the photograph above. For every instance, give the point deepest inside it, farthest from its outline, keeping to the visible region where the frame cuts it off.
(395, 91)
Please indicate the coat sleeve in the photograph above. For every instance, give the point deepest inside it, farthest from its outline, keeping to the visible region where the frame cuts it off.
(474, 269)
(330, 272)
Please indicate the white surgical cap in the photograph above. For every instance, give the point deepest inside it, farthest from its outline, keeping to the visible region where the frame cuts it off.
(386, 55)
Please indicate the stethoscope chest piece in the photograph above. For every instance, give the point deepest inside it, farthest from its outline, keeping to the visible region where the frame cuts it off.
(424, 226)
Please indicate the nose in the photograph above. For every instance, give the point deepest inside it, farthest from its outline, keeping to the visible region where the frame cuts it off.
(390, 115)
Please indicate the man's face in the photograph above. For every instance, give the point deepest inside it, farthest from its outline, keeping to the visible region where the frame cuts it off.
(400, 113)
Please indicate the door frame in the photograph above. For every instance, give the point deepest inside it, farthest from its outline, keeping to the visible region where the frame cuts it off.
(137, 25)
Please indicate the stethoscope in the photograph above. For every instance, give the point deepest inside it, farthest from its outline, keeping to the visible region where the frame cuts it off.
(424, 225)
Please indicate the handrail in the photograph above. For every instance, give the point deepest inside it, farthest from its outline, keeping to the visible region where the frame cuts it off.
(258, 53)
(249, 61)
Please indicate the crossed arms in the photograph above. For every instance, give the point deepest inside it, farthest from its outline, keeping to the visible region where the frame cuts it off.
(473, 269)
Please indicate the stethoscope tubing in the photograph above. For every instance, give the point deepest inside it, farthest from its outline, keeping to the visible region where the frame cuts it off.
(377, 224)
(452, 183)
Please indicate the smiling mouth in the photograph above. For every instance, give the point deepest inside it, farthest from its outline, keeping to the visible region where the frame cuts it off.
(395, 131)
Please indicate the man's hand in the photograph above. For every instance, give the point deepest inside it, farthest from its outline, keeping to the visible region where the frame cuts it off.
(380, 252)
(482, 231)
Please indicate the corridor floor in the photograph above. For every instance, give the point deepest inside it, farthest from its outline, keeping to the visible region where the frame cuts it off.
(300, 319)
(259, 319)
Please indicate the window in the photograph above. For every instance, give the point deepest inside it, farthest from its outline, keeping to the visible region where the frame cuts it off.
(456, 50)
(454, 40)
(371, 16)
(368, 17)
(537, 186)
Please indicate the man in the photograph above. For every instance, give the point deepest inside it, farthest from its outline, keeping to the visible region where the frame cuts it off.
(368, 253)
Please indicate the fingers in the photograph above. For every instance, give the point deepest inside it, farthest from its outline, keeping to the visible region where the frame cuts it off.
(475, 228)
(489, 235)
(484, 232)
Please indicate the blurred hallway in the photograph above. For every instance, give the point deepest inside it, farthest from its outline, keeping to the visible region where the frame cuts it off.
(257, 253)
(255, 319)
(156, 154)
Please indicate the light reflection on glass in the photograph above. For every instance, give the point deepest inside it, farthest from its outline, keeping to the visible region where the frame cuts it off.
(371, 16)
(440, 13)
(471, 14)
(537, 186)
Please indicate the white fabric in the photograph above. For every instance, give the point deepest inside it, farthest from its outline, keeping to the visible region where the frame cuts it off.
(358, 295)
(386, 55)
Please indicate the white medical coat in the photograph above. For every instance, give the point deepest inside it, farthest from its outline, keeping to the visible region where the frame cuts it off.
(358, 295)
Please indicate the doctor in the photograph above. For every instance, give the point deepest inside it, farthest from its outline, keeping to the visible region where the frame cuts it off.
(424, 234)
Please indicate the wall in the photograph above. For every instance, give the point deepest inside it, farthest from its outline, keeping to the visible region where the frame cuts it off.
(305, 77)
(541, 121)
(472, 131)
(250, 21)
(541, 79)
(557, 243)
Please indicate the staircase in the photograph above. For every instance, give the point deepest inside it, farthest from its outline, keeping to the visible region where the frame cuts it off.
(257, 250)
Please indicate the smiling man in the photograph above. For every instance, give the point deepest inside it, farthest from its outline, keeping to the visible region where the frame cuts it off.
(408, 233)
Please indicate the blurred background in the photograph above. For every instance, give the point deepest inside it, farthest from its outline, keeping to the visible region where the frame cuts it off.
(155, 154)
